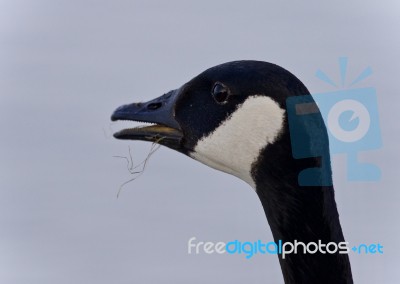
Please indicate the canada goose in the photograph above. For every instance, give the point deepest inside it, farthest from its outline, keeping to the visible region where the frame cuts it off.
(233, 117)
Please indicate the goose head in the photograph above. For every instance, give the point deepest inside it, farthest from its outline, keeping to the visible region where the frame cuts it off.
(226, 117)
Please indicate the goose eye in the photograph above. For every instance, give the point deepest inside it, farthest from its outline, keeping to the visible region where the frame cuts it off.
(220, 93)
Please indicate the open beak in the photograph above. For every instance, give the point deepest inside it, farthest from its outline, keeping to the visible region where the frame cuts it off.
(165, 130)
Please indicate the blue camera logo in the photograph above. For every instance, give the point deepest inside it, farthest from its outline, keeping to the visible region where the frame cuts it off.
(352, 120)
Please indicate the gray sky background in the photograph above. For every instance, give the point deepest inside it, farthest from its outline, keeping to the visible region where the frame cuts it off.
(66, 65)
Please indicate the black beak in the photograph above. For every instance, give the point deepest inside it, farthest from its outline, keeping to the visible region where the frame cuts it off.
(160, 111)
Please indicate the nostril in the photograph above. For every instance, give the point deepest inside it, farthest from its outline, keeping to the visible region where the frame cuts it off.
(154, 106)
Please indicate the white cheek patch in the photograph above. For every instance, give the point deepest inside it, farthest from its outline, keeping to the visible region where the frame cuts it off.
(236, 144)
